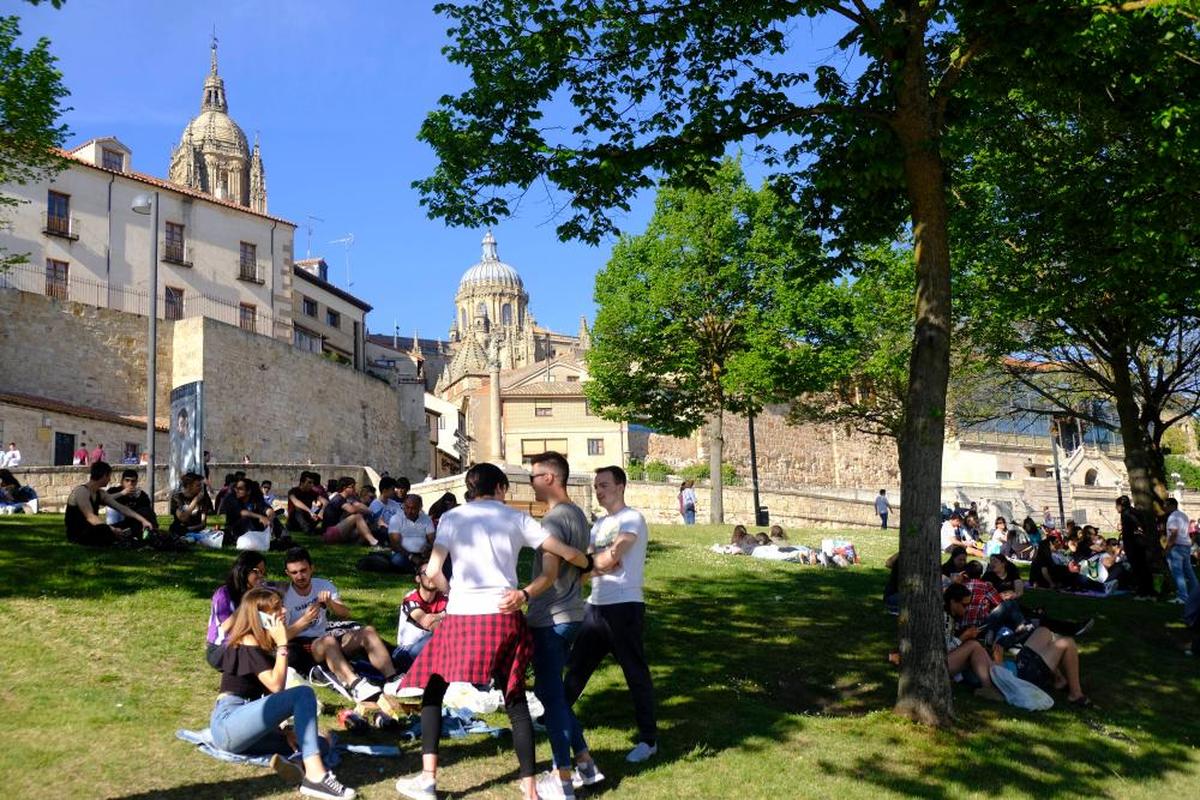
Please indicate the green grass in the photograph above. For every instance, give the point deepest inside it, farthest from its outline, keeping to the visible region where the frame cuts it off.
(771, 682)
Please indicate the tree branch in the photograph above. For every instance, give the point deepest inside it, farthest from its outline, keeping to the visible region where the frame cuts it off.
(952, 75)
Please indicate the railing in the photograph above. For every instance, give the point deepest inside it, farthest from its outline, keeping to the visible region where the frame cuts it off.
(250, 271)
(28, 278)
(174, 253)
(55, 225)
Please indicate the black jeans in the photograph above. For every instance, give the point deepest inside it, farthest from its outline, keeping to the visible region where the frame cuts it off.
(615, 629)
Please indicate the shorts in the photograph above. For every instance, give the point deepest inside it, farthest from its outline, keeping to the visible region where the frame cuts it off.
(1032, 667)
(335, 535)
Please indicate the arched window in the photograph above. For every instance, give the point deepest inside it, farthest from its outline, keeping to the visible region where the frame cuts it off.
(463, 318)
(1089, 478)
(481, 310)
(506, 314)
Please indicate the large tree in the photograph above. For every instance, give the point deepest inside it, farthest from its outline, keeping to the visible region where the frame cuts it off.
(660, 87)
(31, 91)
(1079, 223)
(685, 314)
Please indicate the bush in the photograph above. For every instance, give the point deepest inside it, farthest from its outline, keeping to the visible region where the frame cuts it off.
(1189, 472)
(636, 470)
(700, 472)
(657, 471)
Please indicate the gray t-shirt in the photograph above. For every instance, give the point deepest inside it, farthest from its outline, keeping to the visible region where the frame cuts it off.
(562, 602)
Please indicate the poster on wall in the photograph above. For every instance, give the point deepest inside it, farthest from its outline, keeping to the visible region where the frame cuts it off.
(187, 430)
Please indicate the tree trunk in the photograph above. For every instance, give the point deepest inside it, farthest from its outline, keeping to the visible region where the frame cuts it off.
(716, 451)
(924, 688)
(1143, 461)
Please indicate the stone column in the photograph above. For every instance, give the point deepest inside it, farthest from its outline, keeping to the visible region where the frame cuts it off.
(494, 411)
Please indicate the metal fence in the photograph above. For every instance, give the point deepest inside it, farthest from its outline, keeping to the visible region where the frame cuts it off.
(173, 303)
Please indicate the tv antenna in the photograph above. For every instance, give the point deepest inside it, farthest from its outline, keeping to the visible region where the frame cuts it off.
(309, 227)
(347, 241)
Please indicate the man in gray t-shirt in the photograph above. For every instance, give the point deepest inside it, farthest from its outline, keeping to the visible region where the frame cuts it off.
(554, 616)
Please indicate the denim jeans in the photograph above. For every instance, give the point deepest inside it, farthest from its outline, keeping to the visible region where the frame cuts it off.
(1179, 559)
(404, 655)
(689, 516)
(551, 645)
(251, 727)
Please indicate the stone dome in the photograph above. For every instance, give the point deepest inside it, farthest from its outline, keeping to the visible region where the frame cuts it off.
(490, 270)
(215, 131)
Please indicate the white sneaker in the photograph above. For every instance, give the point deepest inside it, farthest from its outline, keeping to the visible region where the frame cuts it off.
(642, 752)
(550, 787)
(363, 690)
(392, 687)
(580, 778)
(417, 787)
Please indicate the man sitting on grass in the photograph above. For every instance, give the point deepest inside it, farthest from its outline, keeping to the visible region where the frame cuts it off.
(190, 506)
(129, 495)
(305, 505)
(83, 522)
(308, 601)
(346, 518)
(410, 534)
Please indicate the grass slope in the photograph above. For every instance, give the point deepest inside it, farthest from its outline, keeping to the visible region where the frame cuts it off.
(771, 682)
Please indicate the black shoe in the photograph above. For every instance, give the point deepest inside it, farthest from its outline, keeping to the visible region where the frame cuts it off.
(328, 787)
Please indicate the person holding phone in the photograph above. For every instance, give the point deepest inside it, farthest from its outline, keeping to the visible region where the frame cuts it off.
(254, 701)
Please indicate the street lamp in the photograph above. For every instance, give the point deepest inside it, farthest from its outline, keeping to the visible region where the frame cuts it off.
(147, 203)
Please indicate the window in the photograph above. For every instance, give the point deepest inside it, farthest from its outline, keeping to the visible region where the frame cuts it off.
(56, 279)
(308, 306)
(112, 159)
(173, 251)
(506, 313)
(1003, 476)
(572, 379)
(248, 263)
(246, 316)
(58, 214)
(130, 452)
(532, 447)
(595, 447)
(306, 341)
(441, 423)
(172, 303)
(463, 314)
(332, 318)
(543, 411)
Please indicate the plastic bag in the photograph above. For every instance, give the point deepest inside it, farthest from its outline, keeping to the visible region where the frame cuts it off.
(255, 540)
(1018, 692)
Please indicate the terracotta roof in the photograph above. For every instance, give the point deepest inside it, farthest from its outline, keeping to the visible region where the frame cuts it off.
(329, 287)
(546, 389)
(87, 412)
(173, 187)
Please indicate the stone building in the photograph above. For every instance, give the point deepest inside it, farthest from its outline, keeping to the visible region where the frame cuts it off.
(328, 320)
(213, 156)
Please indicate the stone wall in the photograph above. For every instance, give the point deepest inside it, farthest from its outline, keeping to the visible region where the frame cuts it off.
(23, 425)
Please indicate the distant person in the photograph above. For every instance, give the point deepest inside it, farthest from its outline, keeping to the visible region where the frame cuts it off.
(246, 512)
(882, 508)
(1133, 542)
(440, 506)
(346, 518)
(15, 496)
(410, 534)
(97, 454)
(268, 493)
(385, 506)
(83, 522)
(687, 502)
(1179, 552)
(80, 457)
(190, 506)
(10, 458)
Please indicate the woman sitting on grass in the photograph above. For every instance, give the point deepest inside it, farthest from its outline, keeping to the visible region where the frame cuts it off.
(253, 700)
(964, 652)
(247, 572)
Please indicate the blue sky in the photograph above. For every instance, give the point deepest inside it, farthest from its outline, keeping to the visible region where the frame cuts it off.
(336, 91)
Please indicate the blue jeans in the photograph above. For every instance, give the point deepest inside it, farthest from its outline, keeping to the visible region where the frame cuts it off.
(689, 516)
(551, 645)
(404, 656)
(251, 727)
(1179, 559)
(883, 521)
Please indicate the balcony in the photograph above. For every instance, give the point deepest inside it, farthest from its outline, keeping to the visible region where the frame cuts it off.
(63, 227)
(177, 254)
(250, 271)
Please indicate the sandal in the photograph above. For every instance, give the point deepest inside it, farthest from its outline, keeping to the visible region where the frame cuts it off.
(1083, 701)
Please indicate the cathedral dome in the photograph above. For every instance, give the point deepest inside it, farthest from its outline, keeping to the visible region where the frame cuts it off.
(490, 270)
(215, 131)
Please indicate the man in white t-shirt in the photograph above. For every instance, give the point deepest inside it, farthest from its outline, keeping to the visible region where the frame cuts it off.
(410, 533)
(949, 534)
(882, 508)
(616, 611)
(1179, 552)
(10, 458)
(307, 603)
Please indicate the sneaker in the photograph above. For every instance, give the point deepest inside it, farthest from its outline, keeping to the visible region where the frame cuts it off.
(1085, 627)
(586, 775)
(363, 690)
(1175, 601)
(642, 752)
(551, 787)
(392, 687)
(328, 787)
(291, 772)
(417, 787)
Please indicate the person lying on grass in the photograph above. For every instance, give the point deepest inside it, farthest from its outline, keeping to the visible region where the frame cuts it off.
(254, 701)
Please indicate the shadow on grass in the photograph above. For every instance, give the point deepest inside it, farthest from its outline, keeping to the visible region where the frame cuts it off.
(241, 788)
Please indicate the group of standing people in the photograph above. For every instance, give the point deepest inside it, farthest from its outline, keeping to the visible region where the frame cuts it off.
(481, 635)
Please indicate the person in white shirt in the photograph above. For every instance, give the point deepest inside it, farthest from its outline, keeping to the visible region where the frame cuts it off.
(1179, 552)
(308, 601)
(10, 458)
(484, 637)
(949, 534)
(410, 534)
(882, 508)
(616, 609)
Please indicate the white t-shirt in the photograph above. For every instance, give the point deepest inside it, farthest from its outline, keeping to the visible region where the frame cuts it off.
(881, 504)
(296, 604)
(412, 533)
(484, 538)
(10, 458)
(625, 584)
(949, 534)
(384, 512)
(1179, 521)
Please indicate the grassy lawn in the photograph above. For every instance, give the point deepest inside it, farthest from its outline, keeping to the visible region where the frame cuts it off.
(771, 682)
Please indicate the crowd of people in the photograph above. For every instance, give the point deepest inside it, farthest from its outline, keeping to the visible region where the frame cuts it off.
(461, 620)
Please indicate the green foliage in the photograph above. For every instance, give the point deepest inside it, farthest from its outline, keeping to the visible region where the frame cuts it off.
(1189, 471)
(635, 469)
(700, 472)
(657, 471)
(30, 93)
(1175, 441)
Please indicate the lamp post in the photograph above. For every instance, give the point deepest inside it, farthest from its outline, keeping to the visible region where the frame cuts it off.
(148, 204)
